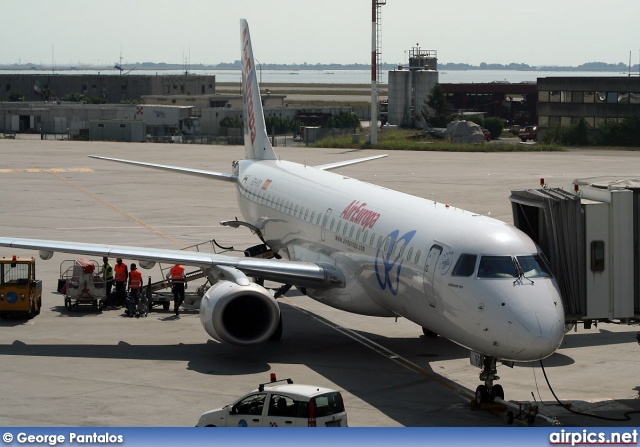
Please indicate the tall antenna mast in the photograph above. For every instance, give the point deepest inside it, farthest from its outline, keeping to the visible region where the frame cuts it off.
(375, 62)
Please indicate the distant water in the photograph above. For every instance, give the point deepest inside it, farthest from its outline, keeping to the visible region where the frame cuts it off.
(344, 76)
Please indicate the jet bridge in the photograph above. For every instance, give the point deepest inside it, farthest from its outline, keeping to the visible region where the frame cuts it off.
(591, 237)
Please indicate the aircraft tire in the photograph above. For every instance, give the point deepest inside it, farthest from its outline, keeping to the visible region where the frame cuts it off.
(482, 394)
(497, 391)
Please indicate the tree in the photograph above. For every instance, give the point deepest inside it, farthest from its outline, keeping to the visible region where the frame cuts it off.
(436, 101)
(16, 97)
(494, 125)
(343, 120)
(74, 97)
(230, 122)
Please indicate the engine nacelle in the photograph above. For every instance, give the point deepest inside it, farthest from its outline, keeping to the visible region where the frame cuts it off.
(239, 314)
(146, 264)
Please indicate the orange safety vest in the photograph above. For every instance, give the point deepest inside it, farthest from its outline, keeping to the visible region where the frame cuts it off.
(135, 279)
(121, 275)
(177, 274)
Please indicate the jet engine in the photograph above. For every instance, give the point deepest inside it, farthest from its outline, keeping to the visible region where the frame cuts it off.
(239, 314)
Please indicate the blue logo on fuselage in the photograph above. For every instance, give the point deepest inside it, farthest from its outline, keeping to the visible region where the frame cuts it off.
(387, 266)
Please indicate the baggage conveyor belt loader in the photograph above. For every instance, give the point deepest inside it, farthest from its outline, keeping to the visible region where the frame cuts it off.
(159, 296)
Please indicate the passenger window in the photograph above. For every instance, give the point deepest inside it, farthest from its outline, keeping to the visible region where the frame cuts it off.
(332, 222)
(283, 406)
(417, 256)
(253, 404)
(338, 227)
(465, 266)
(351, 232)
(409, 254)
(497, 267)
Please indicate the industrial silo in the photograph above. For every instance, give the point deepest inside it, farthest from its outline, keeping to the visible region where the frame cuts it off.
(399, 95)
(410, 87)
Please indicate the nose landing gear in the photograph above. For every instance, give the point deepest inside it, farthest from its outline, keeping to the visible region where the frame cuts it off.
(488, 392)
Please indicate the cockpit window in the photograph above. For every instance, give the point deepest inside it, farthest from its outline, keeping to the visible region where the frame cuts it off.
(497, 267)
(533, 266)
(465, 266)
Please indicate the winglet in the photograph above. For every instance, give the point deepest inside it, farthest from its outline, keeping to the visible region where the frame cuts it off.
(256, 139)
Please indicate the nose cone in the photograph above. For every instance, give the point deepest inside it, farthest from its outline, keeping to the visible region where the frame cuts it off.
(536, 335)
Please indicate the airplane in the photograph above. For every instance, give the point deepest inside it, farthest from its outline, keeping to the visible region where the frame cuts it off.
(361, 248)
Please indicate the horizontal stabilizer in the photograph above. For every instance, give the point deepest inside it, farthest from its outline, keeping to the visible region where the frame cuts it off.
(340, 164)
(188, 171)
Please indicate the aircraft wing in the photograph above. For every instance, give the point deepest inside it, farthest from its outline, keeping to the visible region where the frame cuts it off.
(301, 274)
(340, 164)
(196, 172)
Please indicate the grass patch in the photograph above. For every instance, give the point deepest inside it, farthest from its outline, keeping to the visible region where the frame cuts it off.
(411, 140)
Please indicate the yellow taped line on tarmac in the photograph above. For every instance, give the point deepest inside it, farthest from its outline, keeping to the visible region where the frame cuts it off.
(39, 170)
(128, 216)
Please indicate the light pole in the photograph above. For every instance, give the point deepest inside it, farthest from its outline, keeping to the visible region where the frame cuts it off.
(260, 68)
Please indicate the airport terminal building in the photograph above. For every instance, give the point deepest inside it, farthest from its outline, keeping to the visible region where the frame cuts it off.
(562, 101)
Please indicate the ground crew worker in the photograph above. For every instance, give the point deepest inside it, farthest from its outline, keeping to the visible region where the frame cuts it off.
(135, 283)
(107, 273)
(177, 277)
(121, 275)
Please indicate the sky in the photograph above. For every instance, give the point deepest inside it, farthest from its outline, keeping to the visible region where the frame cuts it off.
(99, 32)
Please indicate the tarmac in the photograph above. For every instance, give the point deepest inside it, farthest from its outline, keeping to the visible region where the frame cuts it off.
(87, 367)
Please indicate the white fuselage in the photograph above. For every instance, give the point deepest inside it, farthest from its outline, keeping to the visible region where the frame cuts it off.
(397, 254)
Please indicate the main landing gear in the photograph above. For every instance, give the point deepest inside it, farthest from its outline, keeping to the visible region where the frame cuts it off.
(488, 392)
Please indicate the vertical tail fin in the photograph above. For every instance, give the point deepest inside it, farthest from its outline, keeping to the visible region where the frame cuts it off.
(256, 140)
